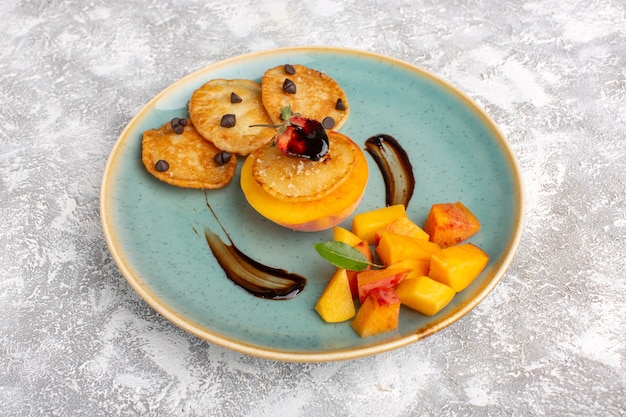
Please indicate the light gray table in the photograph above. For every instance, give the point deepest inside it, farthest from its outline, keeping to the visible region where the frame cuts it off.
(548, 341)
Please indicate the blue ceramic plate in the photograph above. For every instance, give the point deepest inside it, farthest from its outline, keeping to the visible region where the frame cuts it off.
(155, 231)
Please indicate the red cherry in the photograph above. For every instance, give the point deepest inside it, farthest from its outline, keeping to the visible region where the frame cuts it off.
(304, 138)
(301, 137)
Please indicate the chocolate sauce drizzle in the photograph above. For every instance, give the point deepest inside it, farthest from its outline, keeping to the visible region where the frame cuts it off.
(257, 279)
(395, 167)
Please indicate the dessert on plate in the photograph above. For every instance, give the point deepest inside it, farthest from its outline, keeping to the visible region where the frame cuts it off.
(298, 170)
(310, 181)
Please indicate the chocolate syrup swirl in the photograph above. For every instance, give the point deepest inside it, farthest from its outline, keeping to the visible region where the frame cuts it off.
(395, 167)
(257, 279)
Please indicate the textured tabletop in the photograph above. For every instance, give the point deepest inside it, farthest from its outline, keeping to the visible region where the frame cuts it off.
(549, 340)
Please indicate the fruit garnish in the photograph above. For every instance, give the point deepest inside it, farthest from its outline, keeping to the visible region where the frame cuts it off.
(300, 137)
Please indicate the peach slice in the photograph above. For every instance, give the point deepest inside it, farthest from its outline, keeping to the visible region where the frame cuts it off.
(341, 234)
(379, 313)
(394, 248)
(450, 223)
(336, 304)
(306, 195)
(365, 225)
(424, 294)
(402, 226)
(369, 279)
(458, 266)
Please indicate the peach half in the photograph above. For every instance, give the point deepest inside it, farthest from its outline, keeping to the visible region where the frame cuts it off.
(306, 195)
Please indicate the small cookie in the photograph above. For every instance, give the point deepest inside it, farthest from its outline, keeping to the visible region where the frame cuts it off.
(309, 92)
(177, 154)
(297, 180)
(223, 111)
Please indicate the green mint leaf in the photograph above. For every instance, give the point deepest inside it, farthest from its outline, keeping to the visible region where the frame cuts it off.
(342, 255)
(285, 112)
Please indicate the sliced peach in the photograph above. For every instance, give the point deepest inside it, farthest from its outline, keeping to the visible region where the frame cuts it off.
(344, 235)
(394, 248)
(365, 225)
(378, 314)
(336, 304)
(418, 267)
(424, 294)
(448, 224)
(368, 280)
(402, 226)
(319, 208)
(458, 266)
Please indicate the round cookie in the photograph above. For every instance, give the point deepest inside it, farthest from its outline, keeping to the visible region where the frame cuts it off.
(177, 154)
(223, 112)
(309, 92)
(297, 179)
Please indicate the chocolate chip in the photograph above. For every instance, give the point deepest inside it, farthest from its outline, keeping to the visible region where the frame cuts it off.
(289, 86)
(178, 125)
(340, 105)
(222, 157)
(289, 69)
(161, 165)
(228, 120)
(234, 98)
(328, 122)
